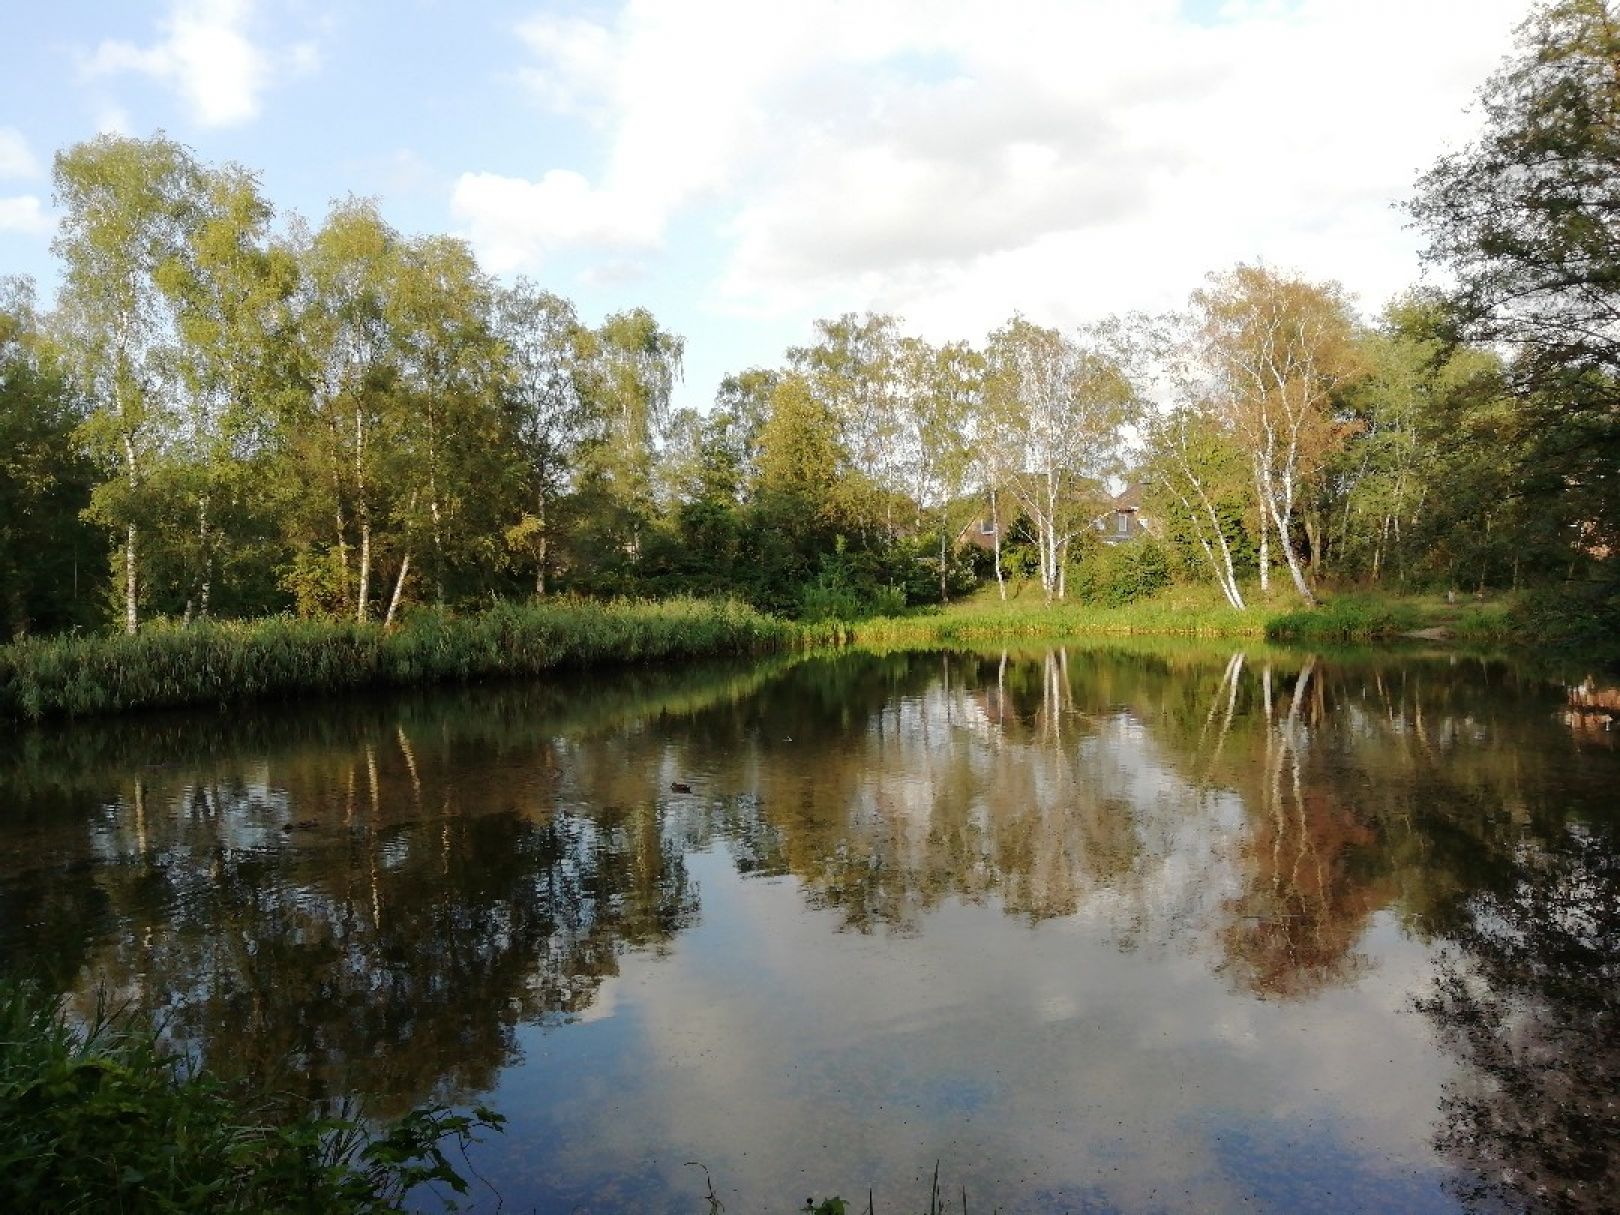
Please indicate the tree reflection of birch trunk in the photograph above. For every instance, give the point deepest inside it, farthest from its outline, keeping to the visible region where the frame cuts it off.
(140, 816)
(410, 763)
(1229, 683)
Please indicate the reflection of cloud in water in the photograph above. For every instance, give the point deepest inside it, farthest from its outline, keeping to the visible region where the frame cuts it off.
(1011, 914)
(1019, 1056)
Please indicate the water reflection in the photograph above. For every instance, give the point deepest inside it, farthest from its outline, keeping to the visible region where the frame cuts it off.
(391, 896)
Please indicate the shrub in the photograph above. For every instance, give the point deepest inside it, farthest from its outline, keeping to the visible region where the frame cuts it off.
(1582, 617)
(1114, 575)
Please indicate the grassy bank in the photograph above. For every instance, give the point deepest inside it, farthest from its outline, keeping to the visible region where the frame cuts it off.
(166, 665)
(1383, 618)
(220, 662)
(1197, 612)
(97, 1117)
(986, 618)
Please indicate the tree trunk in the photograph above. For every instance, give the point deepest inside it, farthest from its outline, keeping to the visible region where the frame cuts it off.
(1262, 502)
(131, 602)
(1048, 560)
(362, 511)
(1222, 568)
(363, 598)
(399, 587)
(944, 524)
(206, 574)
(545, 544)
(1265, 554)
(438, 551)
(1292, 559)
(131, 614)
(995, 522)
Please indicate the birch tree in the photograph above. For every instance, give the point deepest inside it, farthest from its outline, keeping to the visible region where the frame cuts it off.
(439, 311)
(853, 368)
(231, 290)
(742, 404)
(1276, 350)
(349, 358)
(632, 368)
(1191, 462)
(1057, 408)
(543, 343)
(126, 208)
(939, 393)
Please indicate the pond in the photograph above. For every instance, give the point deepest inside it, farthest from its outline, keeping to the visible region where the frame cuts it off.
(1121, 927)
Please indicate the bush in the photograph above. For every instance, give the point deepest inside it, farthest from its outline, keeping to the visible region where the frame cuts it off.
(1114, 575)
(1582, 617)
(847, 587)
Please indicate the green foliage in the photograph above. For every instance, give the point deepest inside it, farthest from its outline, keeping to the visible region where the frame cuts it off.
(1523, 220)
(101, 1118)
(1348, 619)
(1584, 618)
(1114, 575)
(346, 421)
(845, 589)
(1189, 612)
(52, 563)
(1382, 617)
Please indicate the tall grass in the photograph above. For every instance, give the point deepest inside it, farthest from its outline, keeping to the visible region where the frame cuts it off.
(166, 665)
(1198, 612)
(1382, 617)
(1170, 615)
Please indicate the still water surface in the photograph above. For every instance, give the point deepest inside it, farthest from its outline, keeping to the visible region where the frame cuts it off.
(1146, 928)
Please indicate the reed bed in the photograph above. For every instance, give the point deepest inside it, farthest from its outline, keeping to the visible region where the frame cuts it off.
(166, 665)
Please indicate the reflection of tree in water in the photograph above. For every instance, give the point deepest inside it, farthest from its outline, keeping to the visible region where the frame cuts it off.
(393, 962)
(1528, 997)
(1292, 798)
(373, 912)
(1304, 901)
(479, 861)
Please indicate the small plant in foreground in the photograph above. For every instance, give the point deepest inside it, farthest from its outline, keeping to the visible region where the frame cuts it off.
(99, 1118)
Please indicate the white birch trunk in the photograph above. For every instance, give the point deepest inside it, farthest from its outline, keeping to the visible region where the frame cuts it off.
(995, 522)
(399, 587)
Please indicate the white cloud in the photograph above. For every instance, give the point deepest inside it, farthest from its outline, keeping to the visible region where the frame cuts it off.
(207, 56)
(25, 214)
(514, 222)
(576, 56)
(16, 157)
(1067, 157)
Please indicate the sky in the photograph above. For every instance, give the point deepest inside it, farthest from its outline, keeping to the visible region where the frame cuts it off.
(743, 167)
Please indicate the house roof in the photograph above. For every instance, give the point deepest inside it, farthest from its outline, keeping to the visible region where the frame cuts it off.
(1129, 498)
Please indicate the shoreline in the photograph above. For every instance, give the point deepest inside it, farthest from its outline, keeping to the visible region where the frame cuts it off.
(218, 663)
